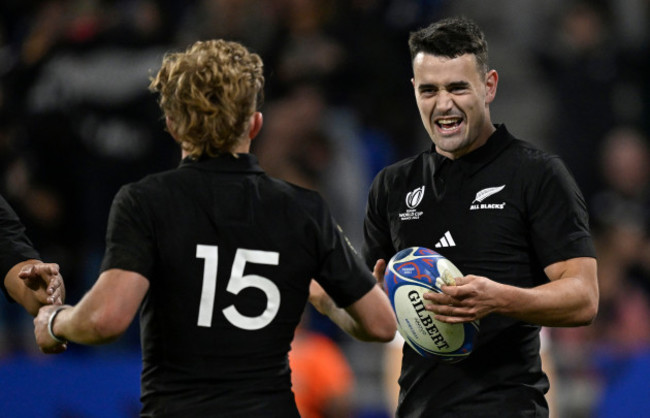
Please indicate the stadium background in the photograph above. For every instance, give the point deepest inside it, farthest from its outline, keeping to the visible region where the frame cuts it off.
(76, 122)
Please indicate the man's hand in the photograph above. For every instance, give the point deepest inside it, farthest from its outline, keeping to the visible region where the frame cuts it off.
(379, 271)
(46, 282)
(45, 342)
(319, 298)
(472, 298)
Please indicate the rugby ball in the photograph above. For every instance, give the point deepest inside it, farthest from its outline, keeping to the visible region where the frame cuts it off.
(411, 273)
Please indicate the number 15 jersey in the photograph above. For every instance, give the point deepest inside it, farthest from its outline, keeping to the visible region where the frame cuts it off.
(229, 253)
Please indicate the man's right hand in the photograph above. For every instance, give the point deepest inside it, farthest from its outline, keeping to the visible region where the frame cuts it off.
(46, 282)
(45, 342)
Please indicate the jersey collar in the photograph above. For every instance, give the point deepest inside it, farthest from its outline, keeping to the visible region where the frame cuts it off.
(475, 160)
(244, 163)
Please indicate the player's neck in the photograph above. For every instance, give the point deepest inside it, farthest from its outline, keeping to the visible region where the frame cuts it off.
(243, 148)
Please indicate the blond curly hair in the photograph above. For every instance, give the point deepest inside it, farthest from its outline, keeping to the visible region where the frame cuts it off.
(208, 93)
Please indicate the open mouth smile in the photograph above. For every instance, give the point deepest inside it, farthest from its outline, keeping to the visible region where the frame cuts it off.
(449, 124)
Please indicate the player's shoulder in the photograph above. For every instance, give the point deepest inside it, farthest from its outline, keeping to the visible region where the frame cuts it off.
(530, 159)
(287, 188)
(150, 188)
(401, 168)
(529, 151)
(533, 167)
(295, 196)
(405, 164)
(151, 183)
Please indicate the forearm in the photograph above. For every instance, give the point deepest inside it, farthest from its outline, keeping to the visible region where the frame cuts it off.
(341, 318)
(20, 293)
(102, 315)
(562, 303)
(370, 318)
(105, 311)
(569, 299)
(82, 324)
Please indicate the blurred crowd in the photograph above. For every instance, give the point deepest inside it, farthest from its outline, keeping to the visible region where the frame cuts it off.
(77, 122)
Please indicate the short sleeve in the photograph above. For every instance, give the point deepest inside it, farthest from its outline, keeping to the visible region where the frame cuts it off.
(342, 272)
(129, 237)
(558, 216)
(14, 244)
(377, 243)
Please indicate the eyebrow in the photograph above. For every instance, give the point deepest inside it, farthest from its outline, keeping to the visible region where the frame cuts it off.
(455, 84)
(422, 87)
(449, 86)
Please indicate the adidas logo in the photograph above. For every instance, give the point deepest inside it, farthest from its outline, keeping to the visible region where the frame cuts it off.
(446, 241)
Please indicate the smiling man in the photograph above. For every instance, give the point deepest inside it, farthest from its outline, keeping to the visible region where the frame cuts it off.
(509, 215)
(453, 95)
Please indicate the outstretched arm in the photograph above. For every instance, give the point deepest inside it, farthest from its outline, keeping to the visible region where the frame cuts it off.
(102, 315)
(370, 318)
(33, 284)
(569, 299)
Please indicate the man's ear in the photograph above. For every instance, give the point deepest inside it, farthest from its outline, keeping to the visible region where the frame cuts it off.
(256, 122)
(491, 81)
(170, 127)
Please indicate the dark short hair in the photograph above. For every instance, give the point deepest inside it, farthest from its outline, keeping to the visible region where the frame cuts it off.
(451, 37)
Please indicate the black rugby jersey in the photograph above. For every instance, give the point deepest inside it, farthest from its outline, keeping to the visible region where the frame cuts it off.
(504, 211)
(229, 253)
(15, 246)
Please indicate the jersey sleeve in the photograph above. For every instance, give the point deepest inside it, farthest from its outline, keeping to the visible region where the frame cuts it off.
(377, 242)
(130, 241)
(342, 273)
(14, 244)
(558, 216)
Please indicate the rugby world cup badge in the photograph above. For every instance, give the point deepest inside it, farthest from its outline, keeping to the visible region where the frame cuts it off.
(413, 199)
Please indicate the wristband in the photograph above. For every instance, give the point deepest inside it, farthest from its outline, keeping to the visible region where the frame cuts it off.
(50, 324)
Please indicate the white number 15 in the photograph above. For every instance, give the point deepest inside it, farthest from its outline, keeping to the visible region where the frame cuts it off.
(236, 284)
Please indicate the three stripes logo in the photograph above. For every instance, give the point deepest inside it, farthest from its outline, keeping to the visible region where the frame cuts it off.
(446, 241)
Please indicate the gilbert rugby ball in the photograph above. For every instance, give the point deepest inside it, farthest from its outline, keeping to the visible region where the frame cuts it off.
(411, 273)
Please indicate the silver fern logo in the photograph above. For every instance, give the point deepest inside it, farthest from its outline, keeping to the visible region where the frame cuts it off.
(414, 197)
(485, 193)
(478, 204)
